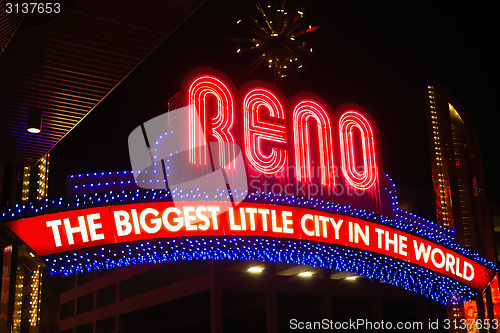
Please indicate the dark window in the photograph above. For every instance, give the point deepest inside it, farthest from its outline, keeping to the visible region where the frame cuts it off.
(85, 328)
(106, 295)
(67, 283)
(67, 310)
(105, 325)
(85, 303)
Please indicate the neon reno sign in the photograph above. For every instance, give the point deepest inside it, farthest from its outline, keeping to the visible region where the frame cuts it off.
(74, 230)
(265, 134)
(363, 234)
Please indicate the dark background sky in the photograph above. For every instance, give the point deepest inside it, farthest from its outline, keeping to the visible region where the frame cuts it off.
(380, 56)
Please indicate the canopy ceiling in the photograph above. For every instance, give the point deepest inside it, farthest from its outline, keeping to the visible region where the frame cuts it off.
(71, 62)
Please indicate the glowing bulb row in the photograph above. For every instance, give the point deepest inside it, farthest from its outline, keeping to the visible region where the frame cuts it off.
(439, 161)
(43, 171)
(26, 184)
(35, 282)
(18, 301)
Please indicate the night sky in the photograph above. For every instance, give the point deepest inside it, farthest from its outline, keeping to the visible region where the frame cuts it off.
(381, 56)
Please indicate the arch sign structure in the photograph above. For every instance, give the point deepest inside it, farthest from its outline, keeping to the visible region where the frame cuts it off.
(288, 150)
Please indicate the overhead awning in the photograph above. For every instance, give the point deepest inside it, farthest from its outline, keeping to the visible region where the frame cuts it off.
(72, 61)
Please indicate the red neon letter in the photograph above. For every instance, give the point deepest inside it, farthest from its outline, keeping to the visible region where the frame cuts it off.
(365, 178)
(257, 130)
(303, 112)
(221, 124)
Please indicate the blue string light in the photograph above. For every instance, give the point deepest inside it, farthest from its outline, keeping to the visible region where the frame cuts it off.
(417, 279)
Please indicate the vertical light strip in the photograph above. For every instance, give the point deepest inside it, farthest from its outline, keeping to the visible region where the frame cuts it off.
(43, 175)
(18, 302)
(40, 275)
(439, 157)
(26, 184)
(35, 296)
(47, 160)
